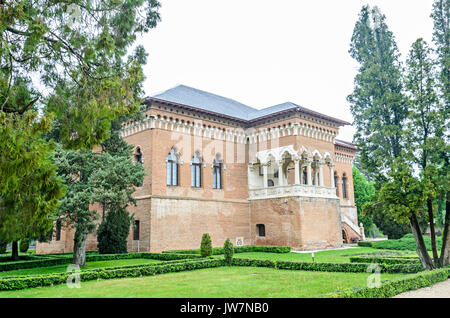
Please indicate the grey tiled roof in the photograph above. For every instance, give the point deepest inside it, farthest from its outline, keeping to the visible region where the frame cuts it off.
(346, 144)
(199, 99)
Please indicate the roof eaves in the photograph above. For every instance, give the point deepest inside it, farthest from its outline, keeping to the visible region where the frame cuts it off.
(162, 101)
(253, 120)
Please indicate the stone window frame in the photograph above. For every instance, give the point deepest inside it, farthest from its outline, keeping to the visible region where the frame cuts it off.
(261, 230)
(172, 168)
(138, 155)
(136, 230)
(217, 172)
(196, 170)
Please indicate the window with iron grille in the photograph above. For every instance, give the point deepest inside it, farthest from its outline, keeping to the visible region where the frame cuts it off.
(136, 230)
(261, 229)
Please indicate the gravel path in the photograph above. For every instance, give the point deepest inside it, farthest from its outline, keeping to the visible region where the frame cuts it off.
(439, 290)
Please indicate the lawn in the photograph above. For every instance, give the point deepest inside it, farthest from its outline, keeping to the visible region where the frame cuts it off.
(223, 282)
(334, 256)
(89, 265)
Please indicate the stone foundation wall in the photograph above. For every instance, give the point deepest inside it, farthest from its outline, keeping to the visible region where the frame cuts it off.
(299, 222)
(179, 223)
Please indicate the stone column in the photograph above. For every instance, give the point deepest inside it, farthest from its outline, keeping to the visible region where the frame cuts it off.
(297, 172)
(265, 179)
(331, 166)
(309, 172)
(321, 173)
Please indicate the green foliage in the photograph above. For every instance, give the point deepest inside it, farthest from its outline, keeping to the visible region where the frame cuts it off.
(238, 249)
(3, 245)
(394, 287)
(206, 245)
(364, 244)
(76, 169)
(403, 195)
(113, 232)
(115, 180)
(77, 52)
(95, 178)
(24, 245)
(228, 251)
(377, 103)
(406, 243)
(441, 38)
(387, 224)
(363, 193)
(29, 189)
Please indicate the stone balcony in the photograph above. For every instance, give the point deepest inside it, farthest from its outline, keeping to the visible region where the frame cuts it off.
(293, 190)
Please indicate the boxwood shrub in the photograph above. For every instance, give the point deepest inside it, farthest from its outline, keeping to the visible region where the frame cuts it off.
(238, 249)
(365, 244)
(14, 283)
(391, 288)
(328, 267)
(385, 260)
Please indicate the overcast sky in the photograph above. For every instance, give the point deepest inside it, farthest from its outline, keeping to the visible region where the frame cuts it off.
(262, 53)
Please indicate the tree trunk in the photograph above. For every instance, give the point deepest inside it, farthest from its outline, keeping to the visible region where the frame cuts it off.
(445, 250)
(425, 258)
(79, 248)
(15, 251)
(432, 233)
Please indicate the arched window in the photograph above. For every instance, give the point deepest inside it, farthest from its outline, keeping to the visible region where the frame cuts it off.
(196, 171)
(344, 186)
(270, 183)
(217, 173)
(138, 156)
(172, 168)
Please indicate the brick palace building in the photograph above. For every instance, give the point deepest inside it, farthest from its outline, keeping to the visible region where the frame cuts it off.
(275, 176)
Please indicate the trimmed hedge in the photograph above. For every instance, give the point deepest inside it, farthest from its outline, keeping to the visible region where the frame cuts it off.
(109, 268)
(328, 267)
(67, 259)
(385, 260)
(406, 243)
(365, 244)
(238, 249)
(16, 283)
(398, 286)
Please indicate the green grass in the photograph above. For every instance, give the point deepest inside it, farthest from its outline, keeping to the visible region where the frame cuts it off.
(89, 265)
(226, 282)
(406, 243)
(336, 256)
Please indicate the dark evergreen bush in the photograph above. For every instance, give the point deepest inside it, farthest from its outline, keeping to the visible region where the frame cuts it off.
(24, 245)
(228, 251)
(113, 232)
(3, 247)
(206, 245)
